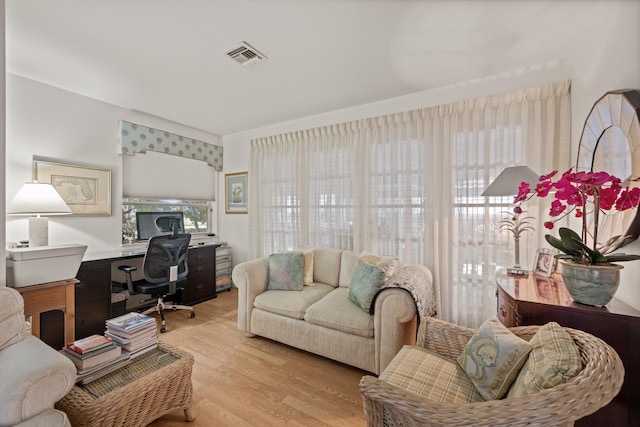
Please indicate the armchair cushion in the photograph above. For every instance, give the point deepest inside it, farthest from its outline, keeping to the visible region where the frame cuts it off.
(430, 376)
(553, 360)
(286, 271)
(14, 327)
(493, 358)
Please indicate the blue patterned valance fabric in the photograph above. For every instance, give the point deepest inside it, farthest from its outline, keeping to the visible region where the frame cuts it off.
(140, 139)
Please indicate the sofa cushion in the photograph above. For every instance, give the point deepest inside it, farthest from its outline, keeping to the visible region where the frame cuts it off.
(388, 263)
(493, 357)
(326, 266)
(335, 311)
(348, 264)
(554, 359)
(431, 376)
(286, 271)
(308, 267)
(366, 282)
(291, 304)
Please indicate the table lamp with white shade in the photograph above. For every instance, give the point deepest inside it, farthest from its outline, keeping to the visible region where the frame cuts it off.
(507, 184)
(38, 199)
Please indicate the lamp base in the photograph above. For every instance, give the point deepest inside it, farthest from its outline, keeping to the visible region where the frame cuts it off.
(38, 231)
(516, 271)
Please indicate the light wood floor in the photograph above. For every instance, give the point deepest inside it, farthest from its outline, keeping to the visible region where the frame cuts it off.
(240, 381)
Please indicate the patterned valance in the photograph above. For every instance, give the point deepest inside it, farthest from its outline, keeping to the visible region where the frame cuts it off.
(140, 139)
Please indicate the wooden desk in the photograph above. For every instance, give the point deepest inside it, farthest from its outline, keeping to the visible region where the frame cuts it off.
(45, 297)
(534, 300)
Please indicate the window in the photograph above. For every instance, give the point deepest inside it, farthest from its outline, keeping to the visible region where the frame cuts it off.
(410, 184)
(196, 214)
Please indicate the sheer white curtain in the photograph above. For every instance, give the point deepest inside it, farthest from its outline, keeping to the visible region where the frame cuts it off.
(409, 184)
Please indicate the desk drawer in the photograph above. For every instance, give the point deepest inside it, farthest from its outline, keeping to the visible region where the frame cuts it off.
(201, 255)
(223, 266)
(223, 251)
(95, 281)
(90, 317)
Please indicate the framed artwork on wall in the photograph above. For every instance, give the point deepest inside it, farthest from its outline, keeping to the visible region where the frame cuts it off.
(235, 193)
(86, 190)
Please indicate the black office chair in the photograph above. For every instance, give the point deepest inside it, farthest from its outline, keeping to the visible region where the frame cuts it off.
(165, 269)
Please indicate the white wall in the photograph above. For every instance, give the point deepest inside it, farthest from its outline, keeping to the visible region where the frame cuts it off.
(51, 123)
(608, 58)
(3, 263)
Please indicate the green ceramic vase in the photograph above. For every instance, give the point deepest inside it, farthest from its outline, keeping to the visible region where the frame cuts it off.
(590, 284)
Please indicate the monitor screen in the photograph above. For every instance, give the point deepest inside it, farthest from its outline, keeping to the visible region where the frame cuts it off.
(151, 224)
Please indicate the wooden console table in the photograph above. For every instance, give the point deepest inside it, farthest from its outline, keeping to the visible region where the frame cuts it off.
(535, 300)
(45, 297)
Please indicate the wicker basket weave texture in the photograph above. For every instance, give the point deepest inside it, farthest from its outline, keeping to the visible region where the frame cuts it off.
(594, 387)
(137, 403)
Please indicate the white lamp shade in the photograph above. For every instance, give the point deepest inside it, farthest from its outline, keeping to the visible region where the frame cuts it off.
(36, 198)
(508, 181)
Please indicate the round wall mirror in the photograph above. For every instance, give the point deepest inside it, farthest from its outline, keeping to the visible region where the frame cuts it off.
(610, 142)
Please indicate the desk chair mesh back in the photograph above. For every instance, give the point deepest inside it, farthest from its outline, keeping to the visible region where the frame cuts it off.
(165, 268)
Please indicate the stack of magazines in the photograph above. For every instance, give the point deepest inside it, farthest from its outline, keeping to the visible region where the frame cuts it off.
(94, 356)
(135, 333)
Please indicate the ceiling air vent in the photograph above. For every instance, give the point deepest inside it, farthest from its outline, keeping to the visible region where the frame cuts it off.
(245, 54)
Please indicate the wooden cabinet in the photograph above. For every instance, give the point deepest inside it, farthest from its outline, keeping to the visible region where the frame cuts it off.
(533, 300)
(201, 280)
(223, 268)
(93, 297)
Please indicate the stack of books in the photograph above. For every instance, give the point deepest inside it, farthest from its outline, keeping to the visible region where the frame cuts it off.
(94, 356)
(136, 333)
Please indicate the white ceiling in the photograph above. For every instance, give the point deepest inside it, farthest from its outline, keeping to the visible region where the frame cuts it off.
(164, 57)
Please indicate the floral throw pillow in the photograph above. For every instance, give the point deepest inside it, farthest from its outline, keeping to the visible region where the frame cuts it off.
(493, 358)
(286, 271)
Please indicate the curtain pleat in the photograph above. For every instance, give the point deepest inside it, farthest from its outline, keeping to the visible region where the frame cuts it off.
(409, 184)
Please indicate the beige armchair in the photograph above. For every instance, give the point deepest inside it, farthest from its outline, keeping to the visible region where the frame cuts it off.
(33, 376)
(595, 386)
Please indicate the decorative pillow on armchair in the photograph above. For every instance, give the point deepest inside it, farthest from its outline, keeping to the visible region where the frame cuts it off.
(493, 357)
(554, 360)
(366, 282)
(286, 271)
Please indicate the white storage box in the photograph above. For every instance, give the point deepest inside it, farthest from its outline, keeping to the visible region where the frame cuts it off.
(43, 264)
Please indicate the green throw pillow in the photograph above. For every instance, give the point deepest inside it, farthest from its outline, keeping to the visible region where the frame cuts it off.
(554, 360)
(286, 271)
(493, 357)
(366, 281)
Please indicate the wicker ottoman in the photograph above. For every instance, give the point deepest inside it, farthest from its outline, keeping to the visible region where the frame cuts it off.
(149, 387)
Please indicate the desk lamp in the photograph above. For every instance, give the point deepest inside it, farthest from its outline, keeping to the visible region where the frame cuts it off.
(36, 198)
(506, 184)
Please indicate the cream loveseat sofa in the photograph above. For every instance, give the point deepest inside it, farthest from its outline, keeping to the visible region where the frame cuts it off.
(33, 376)
(322, 319)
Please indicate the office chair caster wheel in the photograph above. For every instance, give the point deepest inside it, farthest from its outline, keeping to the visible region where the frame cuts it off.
(163, 329)
(192, 314)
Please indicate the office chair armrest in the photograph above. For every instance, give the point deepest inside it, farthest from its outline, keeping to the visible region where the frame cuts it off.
(127, 273)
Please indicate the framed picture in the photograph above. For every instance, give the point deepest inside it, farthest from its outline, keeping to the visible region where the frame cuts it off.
(235, 193)
(544, 262)
(86, 190)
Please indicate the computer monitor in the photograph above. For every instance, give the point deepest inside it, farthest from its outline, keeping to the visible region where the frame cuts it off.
(151, 224)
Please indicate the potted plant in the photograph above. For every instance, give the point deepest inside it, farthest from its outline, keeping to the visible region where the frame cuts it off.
(588, 268)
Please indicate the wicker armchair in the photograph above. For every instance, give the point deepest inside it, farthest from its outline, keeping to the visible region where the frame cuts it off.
(594, 387)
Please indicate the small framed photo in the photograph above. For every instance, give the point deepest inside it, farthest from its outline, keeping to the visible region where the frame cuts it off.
(235, 193)
(544, 262)
(86, 190)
